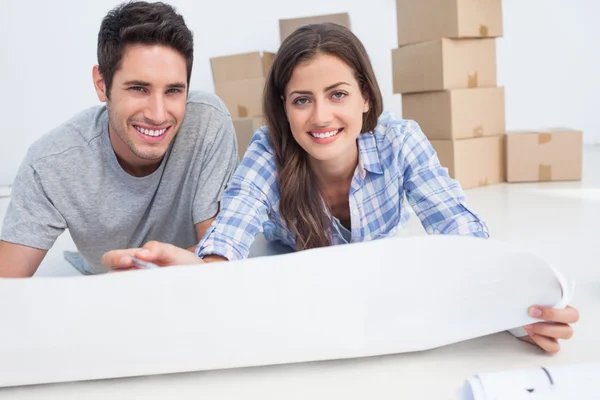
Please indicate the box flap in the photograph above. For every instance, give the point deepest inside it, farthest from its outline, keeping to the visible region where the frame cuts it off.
(287, 26)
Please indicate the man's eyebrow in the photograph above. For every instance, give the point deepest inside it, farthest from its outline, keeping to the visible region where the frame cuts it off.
(137, 83)
(176, 85)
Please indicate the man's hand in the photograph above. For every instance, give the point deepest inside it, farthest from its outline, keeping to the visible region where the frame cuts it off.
(161, 254)
(555, 326)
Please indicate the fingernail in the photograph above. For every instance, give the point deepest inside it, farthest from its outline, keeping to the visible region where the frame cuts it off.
(528, 327)
(535, 312)
(124, 260)
(144, 252)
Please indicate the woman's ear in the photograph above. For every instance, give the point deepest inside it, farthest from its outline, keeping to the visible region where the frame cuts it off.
(283, 102)
(366, 105)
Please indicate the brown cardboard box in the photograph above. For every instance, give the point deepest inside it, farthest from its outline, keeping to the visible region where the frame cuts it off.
(242, 98)
(457, 114)
(244, 130)
(287, 26)
(444, 64)
(473, 162)
(424, 20)
(239, 81)
(550, 155)
(241, 66)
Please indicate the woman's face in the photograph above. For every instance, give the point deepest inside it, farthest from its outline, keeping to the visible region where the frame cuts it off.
(325, 107)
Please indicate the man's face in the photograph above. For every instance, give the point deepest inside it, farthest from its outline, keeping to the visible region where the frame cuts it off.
(147, 103)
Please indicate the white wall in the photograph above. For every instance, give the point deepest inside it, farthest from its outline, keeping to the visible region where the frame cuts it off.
(547, 59)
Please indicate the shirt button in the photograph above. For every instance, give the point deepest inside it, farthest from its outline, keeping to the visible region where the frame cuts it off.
(355, 211)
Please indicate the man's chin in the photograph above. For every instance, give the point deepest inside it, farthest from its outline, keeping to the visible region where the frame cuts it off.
(149, 156)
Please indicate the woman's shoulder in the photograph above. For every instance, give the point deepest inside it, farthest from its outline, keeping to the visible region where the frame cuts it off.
(391, 128)
(260, 141)
(259, 158)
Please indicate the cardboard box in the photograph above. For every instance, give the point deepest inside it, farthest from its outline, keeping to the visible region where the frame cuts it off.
(241, 66)
(240, 80)
(457, 114)
(473, 162)
(244, 130)
(553, 154)
(444, 64)
(287, 26)
(242, 98)
(424, 20)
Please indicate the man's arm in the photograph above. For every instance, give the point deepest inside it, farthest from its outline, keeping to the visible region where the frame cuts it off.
(201, 228)
(18, 261)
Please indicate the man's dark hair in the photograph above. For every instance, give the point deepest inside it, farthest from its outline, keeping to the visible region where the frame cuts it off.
(141, 22)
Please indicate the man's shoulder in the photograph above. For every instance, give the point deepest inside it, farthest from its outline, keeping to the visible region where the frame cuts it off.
(206, 121)
(75, 133)
(200, 101)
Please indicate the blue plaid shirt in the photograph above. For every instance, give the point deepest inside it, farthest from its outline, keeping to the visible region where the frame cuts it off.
(396, 160)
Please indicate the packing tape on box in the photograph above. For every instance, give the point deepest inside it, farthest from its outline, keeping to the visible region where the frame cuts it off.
(544, 173)
(544, 170)
(484, 30)
(478, 131)
(544, 138)
(473, 80)
(242, 112)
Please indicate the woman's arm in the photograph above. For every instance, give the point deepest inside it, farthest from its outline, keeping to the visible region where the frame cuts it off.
(437, 199)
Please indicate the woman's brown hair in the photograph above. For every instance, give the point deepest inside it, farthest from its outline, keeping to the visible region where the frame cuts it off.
(301, 202)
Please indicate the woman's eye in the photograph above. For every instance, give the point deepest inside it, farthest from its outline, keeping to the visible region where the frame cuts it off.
(301, 101)
(338, 95)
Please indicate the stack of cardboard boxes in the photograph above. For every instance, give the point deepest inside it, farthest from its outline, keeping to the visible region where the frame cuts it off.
(239, 79)
(445, 69)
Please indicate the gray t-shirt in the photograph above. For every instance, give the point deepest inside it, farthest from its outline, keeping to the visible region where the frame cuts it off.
(71, 179)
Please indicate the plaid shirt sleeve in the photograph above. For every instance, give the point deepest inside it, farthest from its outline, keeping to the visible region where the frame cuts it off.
(437, 199)
(245, 204)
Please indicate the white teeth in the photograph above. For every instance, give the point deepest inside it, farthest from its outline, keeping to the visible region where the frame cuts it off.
(150, 132)
(325, 135)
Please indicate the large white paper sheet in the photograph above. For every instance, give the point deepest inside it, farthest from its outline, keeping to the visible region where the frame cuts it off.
(567, 382)
(382, 297)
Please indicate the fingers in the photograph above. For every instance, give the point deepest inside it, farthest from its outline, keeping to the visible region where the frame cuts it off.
(162, 254)
(118, 259)
(551, 330)
(166, 254)
(550, 345)
(569, 315)
(547, 334)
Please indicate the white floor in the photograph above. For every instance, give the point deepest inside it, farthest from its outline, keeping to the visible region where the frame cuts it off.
(557, 220)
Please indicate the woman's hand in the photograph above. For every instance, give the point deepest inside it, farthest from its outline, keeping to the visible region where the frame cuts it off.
(555, 325)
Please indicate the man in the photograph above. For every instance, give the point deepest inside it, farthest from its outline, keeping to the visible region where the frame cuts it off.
(150, 164)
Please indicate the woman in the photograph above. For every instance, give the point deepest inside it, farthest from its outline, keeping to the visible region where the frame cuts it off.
(330, 168)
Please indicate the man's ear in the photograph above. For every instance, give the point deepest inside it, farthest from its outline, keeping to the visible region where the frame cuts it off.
(99, 84)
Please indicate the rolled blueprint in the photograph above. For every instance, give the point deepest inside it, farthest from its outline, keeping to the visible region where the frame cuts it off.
(381, 297)
(566, 382)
